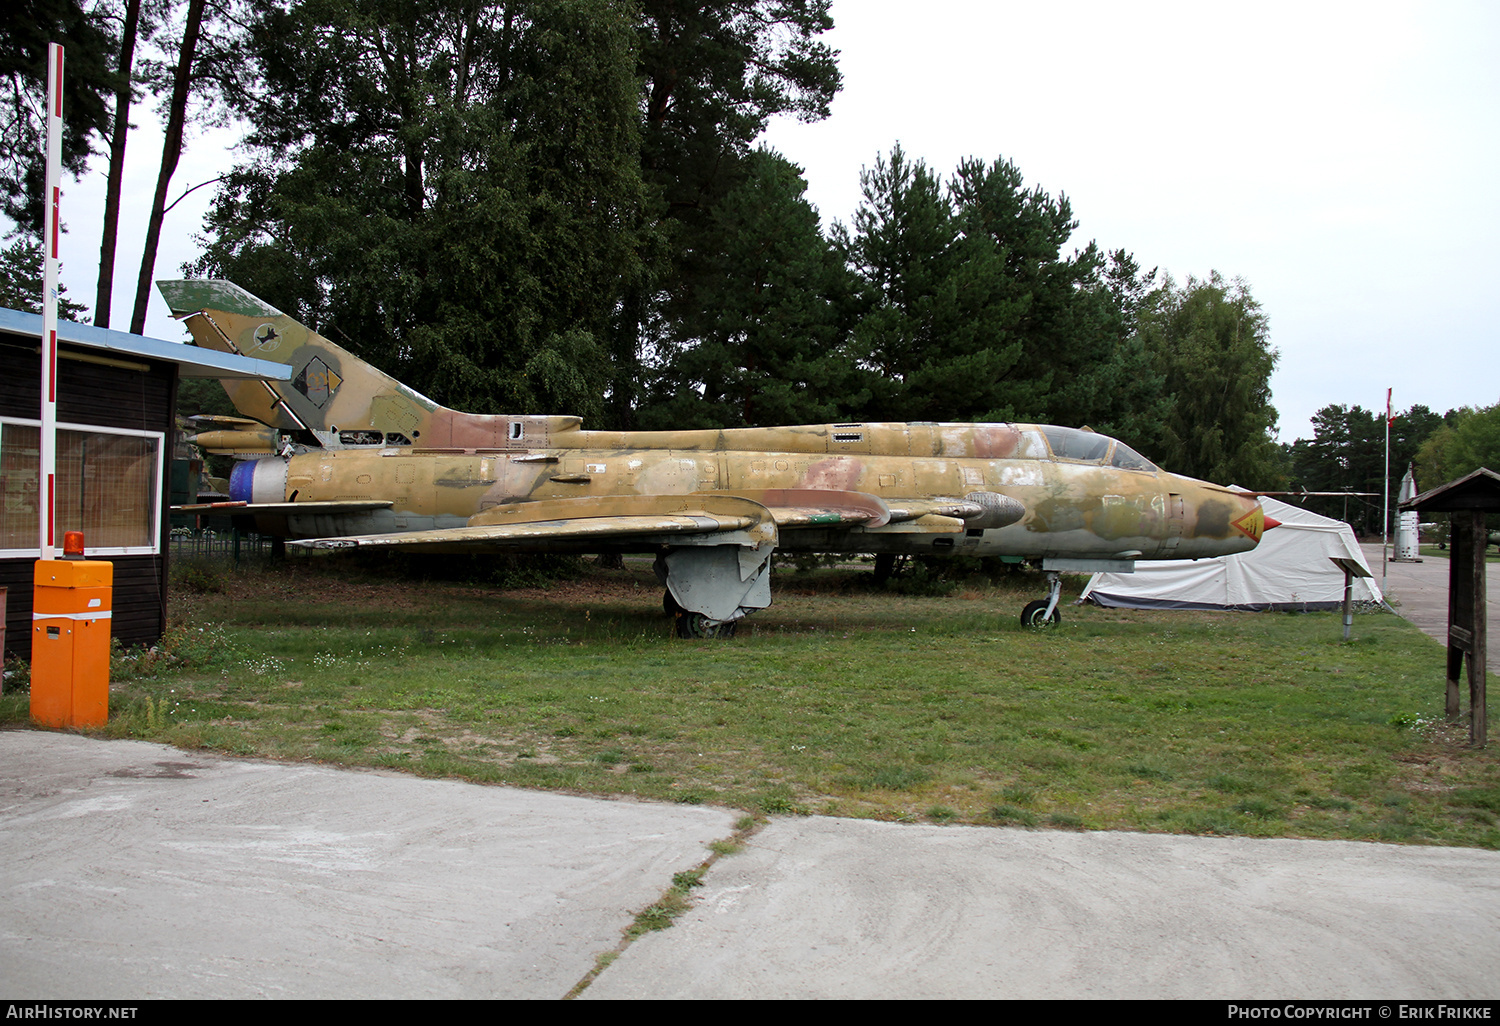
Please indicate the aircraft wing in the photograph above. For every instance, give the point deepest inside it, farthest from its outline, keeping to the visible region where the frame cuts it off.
(646, 518)
(519, 536)
(826, 507)
(577, 523)
(747, 517)
(242, 508)
(818, 507)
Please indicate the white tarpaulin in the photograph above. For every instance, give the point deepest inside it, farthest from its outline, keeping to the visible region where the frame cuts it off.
(1291, 568)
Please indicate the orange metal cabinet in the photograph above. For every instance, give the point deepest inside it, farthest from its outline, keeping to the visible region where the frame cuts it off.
(70, 623)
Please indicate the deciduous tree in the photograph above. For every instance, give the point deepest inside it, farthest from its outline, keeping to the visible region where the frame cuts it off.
(1469, 439)
(450, 188)
(1211, 342)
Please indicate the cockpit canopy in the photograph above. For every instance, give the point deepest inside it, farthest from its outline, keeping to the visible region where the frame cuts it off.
(1074, 445)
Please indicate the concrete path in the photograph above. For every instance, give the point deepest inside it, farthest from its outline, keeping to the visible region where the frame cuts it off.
(1419, 592)
(133, 870)
(826, 908)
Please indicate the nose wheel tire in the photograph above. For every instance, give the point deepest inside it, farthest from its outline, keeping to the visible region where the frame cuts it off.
(696, 625)
(1035, 615)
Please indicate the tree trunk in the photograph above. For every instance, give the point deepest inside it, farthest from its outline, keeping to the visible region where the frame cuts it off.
(118, 135)
(625, 361)
(171, 150)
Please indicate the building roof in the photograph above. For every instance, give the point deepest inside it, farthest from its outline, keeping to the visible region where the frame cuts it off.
(192, 361)
(1479, 489)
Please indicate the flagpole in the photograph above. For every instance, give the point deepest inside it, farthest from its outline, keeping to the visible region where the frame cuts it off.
(1385, 502)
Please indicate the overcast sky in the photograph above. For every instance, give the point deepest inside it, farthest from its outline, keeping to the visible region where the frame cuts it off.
(1341, 158)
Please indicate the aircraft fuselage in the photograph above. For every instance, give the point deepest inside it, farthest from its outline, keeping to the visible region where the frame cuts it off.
(377, 464)
(1073, 509)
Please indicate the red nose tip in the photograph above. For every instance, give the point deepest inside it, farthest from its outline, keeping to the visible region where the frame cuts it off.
(1270, 523)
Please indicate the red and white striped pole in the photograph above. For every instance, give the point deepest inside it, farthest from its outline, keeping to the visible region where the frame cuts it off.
(1385, 502)
(47, 479)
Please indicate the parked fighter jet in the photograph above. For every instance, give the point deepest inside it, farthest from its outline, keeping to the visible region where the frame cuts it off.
(349, 458)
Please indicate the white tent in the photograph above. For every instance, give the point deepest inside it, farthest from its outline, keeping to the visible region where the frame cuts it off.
(1290, 569)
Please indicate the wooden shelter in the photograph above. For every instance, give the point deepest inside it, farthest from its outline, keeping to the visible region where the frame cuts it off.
(1467, 500)
(115, 421)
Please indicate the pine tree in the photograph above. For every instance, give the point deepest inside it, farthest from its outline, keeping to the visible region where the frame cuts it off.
(758, 332)
(714, 73)
(25, 31)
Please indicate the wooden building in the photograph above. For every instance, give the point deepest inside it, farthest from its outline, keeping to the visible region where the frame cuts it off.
(1467, 500)
(116, 409)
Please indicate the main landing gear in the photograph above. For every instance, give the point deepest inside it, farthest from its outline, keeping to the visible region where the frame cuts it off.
(695, 625)
(1043, 612)
(710, 588)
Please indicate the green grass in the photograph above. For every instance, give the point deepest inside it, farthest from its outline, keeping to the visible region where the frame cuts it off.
(839, 699)
(1491, 554)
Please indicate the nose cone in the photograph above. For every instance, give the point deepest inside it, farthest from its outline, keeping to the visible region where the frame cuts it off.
(1220, 522)
(1253, 522)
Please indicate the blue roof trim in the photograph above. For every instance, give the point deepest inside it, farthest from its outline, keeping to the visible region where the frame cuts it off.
(195, 362)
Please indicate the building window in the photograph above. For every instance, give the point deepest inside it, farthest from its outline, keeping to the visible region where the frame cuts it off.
(108, 487)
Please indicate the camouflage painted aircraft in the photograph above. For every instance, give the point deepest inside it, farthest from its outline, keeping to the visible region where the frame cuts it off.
(347, 457)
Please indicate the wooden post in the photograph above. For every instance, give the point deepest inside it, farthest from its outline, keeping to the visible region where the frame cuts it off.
(1478, 714)
(1348, 602)
(1466, 620)
(1352, 568)
(1460, 559)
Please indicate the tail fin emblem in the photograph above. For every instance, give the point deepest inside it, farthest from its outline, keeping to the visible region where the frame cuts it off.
(267, 338)
(318, 382)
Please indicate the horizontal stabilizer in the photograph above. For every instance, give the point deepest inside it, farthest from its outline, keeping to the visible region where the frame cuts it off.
(221, 418)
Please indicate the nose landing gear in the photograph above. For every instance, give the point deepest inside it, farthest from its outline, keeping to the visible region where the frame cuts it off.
(1043, 612)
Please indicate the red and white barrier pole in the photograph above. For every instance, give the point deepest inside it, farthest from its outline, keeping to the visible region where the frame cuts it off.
(47, 479)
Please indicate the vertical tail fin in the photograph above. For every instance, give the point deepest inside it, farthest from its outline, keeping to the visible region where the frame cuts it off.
(331, 389)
